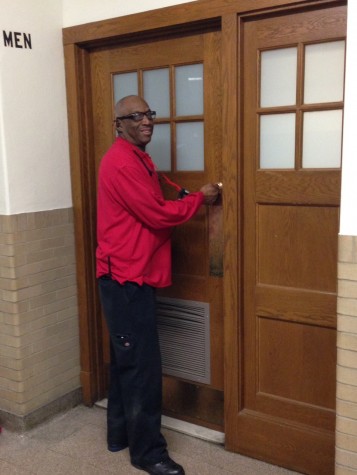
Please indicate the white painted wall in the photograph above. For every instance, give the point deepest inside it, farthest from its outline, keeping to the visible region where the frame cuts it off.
(348, 221)
(4, 190)
(85, 11)
(34, 155)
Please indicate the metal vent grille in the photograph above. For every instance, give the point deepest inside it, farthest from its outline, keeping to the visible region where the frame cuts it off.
(184, 333)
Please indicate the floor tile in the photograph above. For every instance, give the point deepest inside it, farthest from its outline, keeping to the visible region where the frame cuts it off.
(74, 443)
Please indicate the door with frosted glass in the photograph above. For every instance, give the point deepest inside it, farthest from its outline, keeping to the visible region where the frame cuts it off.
(180, 80)
(293, 106)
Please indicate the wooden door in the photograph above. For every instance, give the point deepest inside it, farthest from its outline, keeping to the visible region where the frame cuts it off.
(284, 411)
(197, 249)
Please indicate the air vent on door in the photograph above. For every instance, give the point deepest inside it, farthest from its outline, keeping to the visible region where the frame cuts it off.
(184, 333)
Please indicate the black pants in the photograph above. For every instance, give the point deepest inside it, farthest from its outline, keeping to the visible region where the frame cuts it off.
(135, 392)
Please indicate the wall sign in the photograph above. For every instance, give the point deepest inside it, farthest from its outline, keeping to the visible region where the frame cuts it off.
(15, 39)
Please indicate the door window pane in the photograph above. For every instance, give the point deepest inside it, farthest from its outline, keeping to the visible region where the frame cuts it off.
(157, 91)
(125, 84)
(322, 139)
(160, 147)
(277, 141)
(189, 89)
(189, 146)
(278, 77)
(324, 72)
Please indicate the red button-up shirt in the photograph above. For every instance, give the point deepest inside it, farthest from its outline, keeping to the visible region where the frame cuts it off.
(134, 222)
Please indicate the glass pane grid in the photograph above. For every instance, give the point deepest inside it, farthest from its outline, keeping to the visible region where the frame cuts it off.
(322, 139)
(186, 118)
(189, 146)
(189, 90)
(324, 72)
(156, 87)
(277, 141)
(160, 147)
(278, 77)
(125, 84)
(314, 119)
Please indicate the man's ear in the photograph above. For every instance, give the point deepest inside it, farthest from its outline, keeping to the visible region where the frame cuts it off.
(118, 125)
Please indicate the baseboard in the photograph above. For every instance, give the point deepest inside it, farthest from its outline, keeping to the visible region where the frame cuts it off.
(16, 423)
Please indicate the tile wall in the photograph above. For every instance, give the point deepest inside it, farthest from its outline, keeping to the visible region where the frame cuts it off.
(346, 404)
(39, 336)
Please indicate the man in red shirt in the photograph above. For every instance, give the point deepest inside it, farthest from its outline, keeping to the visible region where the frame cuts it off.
(133, 258)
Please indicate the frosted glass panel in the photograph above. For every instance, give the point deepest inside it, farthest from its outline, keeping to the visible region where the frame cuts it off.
(125, 84)
(322, 139)
(157, 91)
(324, 72)
(277, 141)
(160, 147)
(189, 89)
(189, 146)
(278, 77)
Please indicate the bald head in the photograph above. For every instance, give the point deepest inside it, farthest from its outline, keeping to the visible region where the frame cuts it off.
(126, 105)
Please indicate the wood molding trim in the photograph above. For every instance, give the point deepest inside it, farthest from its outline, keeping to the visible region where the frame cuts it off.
(195, 13)
(230, 152)
(80, 134)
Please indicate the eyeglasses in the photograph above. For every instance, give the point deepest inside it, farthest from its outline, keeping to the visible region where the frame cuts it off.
(138, 116)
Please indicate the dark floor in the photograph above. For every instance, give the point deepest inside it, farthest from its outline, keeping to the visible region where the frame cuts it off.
(73, 443)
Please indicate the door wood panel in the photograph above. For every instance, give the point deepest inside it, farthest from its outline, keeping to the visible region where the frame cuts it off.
(284, 364)
(284, 407)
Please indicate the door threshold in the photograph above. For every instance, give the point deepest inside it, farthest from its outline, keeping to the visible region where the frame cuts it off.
(187, 428)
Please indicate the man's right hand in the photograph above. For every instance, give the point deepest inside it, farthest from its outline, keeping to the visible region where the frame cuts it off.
(210, 192)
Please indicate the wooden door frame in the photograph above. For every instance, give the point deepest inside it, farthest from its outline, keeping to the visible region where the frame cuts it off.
(187, 18)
